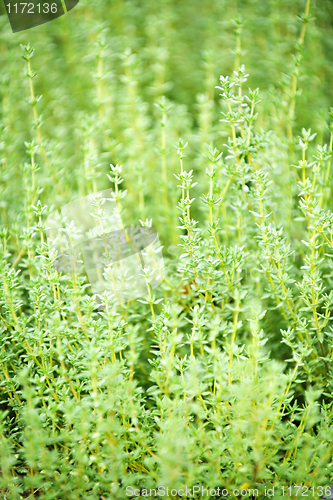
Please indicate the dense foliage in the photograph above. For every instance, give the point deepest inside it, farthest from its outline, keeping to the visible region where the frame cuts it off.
(223, 375)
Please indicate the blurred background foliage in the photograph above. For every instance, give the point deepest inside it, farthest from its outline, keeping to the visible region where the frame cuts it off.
(102, 68)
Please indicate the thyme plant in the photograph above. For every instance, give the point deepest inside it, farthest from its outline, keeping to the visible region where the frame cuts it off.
(217, 130)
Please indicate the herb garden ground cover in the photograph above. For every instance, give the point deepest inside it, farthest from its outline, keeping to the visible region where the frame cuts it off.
(210, 123)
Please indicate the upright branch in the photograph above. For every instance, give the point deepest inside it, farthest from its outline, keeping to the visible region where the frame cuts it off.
(305, 18)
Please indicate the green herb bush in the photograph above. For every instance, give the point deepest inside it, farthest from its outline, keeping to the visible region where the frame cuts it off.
(223, 375)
